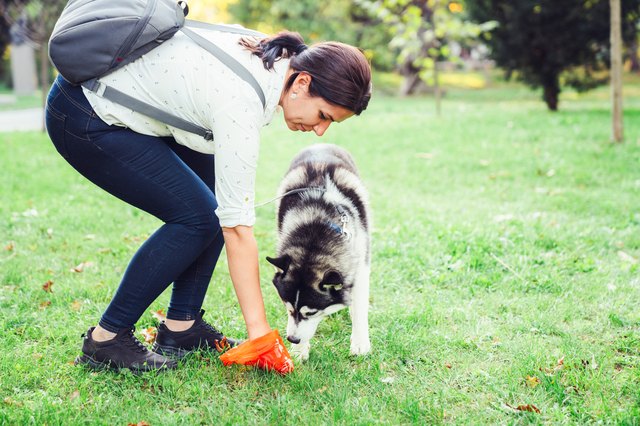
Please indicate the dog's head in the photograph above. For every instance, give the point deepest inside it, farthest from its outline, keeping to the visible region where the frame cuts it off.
(313, 279)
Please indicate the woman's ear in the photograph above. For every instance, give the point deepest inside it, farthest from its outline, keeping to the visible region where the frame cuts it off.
(302, 82)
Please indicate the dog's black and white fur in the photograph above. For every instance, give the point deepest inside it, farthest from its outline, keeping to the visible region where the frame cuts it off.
(324, 248)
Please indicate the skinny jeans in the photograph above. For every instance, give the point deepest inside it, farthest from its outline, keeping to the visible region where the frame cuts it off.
(161, 177)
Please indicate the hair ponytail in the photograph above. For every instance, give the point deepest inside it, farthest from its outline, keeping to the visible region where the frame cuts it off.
(340, 73)
(283, 45)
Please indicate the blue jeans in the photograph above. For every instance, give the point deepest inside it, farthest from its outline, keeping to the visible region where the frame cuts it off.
(155, 174)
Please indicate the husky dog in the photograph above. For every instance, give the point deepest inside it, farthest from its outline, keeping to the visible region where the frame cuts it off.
(323, 251)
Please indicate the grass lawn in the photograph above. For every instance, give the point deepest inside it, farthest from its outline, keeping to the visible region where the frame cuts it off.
(505, 277)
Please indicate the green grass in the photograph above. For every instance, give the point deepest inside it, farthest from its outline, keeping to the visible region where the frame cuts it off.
(506, 238)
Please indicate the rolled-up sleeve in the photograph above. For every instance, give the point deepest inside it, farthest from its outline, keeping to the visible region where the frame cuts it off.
(237, 145)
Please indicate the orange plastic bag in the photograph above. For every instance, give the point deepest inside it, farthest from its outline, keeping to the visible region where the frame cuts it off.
(267, 352)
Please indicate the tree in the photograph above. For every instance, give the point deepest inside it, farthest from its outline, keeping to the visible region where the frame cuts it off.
(544, 42)
(421, 32)
(616, 72)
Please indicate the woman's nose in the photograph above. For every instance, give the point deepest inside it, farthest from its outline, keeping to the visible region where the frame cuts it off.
(321, 127)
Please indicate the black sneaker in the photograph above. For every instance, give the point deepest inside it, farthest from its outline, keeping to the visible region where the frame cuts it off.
(201, 335)
(123, 351)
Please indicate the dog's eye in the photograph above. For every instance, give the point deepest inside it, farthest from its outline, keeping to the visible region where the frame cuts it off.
(310, 313)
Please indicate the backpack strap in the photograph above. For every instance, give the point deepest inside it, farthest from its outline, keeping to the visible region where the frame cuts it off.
(223, 56)
(144, 108)
(223, 28)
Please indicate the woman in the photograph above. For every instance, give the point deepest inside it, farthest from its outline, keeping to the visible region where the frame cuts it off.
(202, 190)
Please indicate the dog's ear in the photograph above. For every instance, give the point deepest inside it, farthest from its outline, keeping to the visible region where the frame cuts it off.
(331, 280)
(281, 263)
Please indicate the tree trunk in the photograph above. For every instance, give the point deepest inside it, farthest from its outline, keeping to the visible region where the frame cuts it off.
(633, 56)
(410, 83)
(44, 69)
(616, 72)
(436, 76)
(551, 92)
(436, 85)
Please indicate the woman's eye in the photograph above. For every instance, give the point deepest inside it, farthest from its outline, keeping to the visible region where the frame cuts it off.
(322, 116)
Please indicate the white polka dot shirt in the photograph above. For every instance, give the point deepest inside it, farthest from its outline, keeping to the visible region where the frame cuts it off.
(182, 78)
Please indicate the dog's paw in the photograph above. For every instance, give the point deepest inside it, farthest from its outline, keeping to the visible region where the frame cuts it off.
(360, 346)
(301, 351)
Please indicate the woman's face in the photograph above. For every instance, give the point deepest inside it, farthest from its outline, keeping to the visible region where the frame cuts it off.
(306, 113)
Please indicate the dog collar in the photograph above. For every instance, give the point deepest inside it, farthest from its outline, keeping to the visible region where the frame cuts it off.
(344, 219)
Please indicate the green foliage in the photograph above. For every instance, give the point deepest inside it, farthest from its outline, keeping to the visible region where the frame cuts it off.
(422, 32)
(539, 40)
(340, 20)
(505, 240)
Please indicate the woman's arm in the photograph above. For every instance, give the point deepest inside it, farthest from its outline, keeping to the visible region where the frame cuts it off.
(242, 256)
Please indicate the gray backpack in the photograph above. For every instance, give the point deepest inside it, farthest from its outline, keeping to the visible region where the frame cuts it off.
(95, 37)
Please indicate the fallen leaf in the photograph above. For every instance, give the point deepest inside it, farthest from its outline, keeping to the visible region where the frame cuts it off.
(159, 315)
(528, 407)
(559, 366)
(140, 423)
(74, 395)
(10, 246)
(222, 345)
(48, 286)
(11, 401)
(149, 334)
(484, 163)
(76, 305)
(388, 380)
(446, 364)
(532, 381)
(37, 356)
(525, 407)
(82, 266)
(90, 237)
(45, 304)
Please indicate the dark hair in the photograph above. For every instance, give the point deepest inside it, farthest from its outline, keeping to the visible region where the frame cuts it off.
(340, 73)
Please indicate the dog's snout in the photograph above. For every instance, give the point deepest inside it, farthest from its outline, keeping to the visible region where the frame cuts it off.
(293, 339)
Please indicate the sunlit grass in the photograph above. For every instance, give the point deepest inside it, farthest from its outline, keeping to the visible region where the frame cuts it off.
(505, 274)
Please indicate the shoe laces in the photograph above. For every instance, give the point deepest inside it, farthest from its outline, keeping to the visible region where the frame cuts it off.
(131, 342)
(210, 328)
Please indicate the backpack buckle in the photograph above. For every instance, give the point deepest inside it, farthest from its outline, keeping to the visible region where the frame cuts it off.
(208, 135)
(184, 6)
